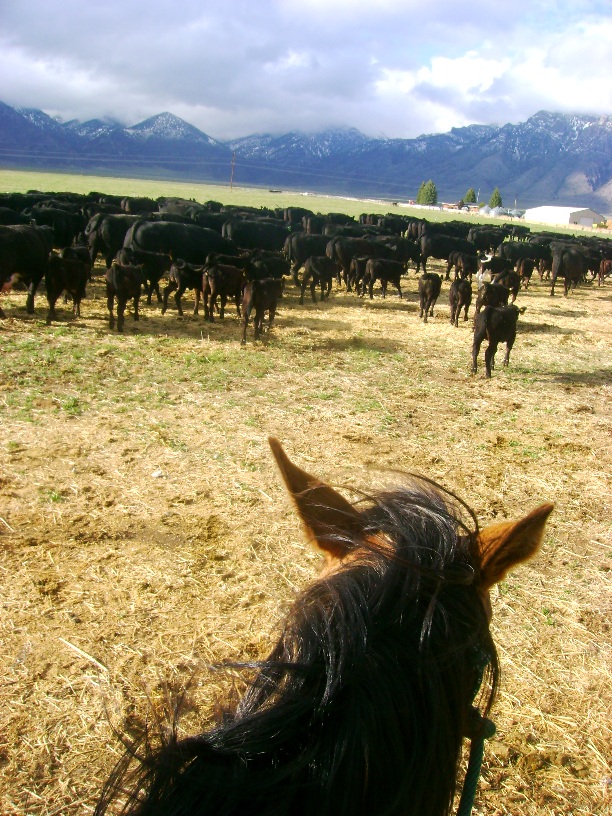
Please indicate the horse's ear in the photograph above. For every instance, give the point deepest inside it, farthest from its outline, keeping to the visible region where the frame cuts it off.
(330, 521)
(505, 544)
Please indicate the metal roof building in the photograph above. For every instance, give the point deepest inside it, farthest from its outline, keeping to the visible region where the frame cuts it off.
(564, 216)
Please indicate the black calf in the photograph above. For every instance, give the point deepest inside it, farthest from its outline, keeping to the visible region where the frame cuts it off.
(460, 297)
(497, 324)
(318, 270)
(430, 284)
(124, 283)
(261, 296)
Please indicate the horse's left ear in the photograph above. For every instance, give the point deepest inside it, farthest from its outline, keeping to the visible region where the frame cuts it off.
(327, 517)
(503, 545)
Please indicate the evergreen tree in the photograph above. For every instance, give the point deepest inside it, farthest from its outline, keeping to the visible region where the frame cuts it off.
(470, 196)
(496, 199)
(428, 193)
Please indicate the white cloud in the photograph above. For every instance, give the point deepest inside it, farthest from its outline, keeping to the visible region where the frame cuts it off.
(383, 66)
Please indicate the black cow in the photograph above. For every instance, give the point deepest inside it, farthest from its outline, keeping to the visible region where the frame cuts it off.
(441, 246)
(465, 265)
(495, 265)
(357, 271)
(514, 250)
(342, 250)
(154, 264)
(318, 270)
(263, 264)
(136, 205)
(569, 264)
(24, 252)
(183, 276)
(491, 294)
(105, 235)
(124, 283)
(8, 216)
(185, 241)
(66, 274)
(384, 270)
(511, 280)
(497, 324)
(430, 284)
(222, 281)
(255, 234)
(485, 239)
(65, 225)
(604, 271)
(299, 246)
(525, 269)
(260, 296)
(460, 297)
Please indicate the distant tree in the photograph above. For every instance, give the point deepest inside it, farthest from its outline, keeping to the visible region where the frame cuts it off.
(496, 199)
(470, 196)
(428, 193)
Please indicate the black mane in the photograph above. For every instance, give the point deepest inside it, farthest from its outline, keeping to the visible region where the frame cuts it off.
(362, 705)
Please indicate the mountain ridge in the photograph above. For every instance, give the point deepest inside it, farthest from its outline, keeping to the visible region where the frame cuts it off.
(551, 158)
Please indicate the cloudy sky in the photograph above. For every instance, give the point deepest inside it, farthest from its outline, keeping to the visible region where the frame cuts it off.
(397, 68)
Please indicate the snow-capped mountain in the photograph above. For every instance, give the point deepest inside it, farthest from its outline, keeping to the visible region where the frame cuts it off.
(549, 159)
(167, 126)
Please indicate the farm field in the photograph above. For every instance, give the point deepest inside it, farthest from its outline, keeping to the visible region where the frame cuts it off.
(146, 535)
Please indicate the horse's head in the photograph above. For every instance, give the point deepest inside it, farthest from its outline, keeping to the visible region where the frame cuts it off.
(334, 526)
(424, 578)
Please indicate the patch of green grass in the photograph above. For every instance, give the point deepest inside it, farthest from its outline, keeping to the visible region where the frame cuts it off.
(72, 406)
(51, 495)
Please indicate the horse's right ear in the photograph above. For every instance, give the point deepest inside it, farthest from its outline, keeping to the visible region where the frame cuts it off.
(503, 545)
(329, 520)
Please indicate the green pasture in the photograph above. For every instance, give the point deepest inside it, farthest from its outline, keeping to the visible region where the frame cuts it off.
(20, 181)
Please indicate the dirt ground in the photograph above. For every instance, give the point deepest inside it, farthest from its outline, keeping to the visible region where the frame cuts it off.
(145, 535)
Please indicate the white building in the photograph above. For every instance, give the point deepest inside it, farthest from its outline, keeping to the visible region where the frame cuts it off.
(564, 216)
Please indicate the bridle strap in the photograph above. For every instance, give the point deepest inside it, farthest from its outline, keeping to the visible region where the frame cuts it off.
(484, 730)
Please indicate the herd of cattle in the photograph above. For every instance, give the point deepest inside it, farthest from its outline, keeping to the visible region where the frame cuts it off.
(244, 254)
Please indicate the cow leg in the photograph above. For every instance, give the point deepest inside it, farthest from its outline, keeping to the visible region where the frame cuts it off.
(110, 298)
(177, 299)
(313, 286)
(399, 289)
(223, 302)
(257, 322)
(303, 286)
(272, 316)
(509, 344)
(478, 338)
(167, 289)
(136, 303)
(121, 304)
(245, 323)
(31, 292)
(490, 357)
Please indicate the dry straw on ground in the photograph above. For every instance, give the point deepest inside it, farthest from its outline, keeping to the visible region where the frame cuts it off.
(146, 537)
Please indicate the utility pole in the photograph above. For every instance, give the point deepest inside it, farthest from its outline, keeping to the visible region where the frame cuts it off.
(232, 173)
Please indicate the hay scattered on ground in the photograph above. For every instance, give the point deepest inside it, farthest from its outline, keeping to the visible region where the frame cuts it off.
(146, 536)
